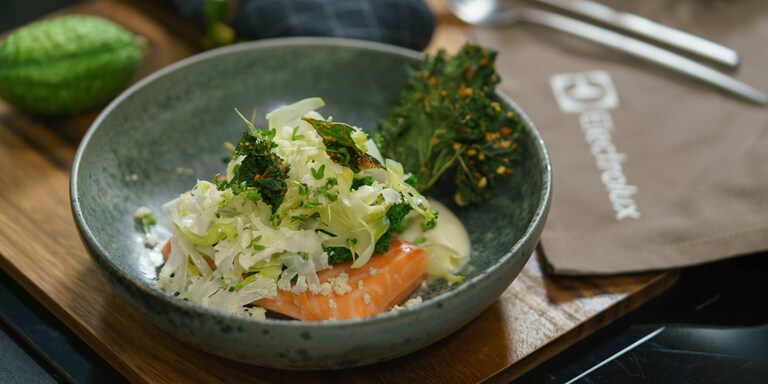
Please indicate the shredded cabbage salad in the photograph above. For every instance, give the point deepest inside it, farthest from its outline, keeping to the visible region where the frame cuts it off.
(229, 247)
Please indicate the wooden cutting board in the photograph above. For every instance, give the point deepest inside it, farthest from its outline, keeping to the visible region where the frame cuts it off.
(536, 317)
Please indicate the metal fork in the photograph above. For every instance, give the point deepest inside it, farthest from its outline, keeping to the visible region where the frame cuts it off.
(648, 29)
(494, 13)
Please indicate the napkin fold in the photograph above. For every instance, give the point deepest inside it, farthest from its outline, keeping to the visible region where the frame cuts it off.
(651, 170)
(407, 23)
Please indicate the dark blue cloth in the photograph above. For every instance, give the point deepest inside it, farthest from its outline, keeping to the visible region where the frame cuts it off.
(407, 23)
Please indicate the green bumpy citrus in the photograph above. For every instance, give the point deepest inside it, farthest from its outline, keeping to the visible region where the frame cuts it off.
(67, 65)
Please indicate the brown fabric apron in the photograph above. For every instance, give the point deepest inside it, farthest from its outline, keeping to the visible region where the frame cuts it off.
(652, 170)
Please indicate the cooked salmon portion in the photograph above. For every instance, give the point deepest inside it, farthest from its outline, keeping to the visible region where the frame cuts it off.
(383, 282)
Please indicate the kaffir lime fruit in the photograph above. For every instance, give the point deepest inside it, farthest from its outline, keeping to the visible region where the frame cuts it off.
(67, 65)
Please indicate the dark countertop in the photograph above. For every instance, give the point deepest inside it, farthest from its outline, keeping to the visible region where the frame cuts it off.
(711, 327)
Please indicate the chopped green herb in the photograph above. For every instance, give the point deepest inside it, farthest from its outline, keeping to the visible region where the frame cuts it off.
(294, 136)
(255, 244)
(318, 173)
(253, 195)
(303, 190)
(145, 219)
(311, 203)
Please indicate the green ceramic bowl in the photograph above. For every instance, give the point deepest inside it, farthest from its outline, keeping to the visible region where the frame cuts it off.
(165, 132)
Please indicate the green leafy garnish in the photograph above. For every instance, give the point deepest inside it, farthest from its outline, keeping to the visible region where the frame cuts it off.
(295, 136)
(255, 244)
(340, 145)
(446, 118)
(261, 174)
(318, 173)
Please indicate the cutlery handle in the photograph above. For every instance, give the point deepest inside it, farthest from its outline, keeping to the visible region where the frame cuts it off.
(648, 29)
(643, 50)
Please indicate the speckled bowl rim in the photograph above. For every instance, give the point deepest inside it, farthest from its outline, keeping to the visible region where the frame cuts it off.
(533, 229)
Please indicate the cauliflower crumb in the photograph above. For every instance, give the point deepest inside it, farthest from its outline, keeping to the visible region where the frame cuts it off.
(414, 301)
(360, 284)
(184, 171)
(332, 303)
(407, 304)
(366, 298)
(150, 241)
(340, 284)
(325, 289)
(255, 312)
(373, 271)
(141, 212)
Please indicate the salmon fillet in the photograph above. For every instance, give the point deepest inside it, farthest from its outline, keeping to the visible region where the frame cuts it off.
(383, 282)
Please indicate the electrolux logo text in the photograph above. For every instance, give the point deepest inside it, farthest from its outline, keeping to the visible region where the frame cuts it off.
(591, 95)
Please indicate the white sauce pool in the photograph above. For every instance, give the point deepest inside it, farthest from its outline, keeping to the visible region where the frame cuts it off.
(448, 231)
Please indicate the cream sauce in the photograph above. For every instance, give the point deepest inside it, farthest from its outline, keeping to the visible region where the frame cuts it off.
(448, 231)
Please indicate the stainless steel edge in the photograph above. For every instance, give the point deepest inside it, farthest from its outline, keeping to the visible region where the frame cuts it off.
(648, 29)
(643, 50)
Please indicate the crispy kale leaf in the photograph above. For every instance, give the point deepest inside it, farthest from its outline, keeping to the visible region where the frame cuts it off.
(446, 118)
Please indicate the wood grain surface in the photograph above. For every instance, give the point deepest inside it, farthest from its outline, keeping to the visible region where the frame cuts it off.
(536, 317)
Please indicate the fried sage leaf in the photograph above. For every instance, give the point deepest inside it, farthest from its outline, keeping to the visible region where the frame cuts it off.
(341, 146)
